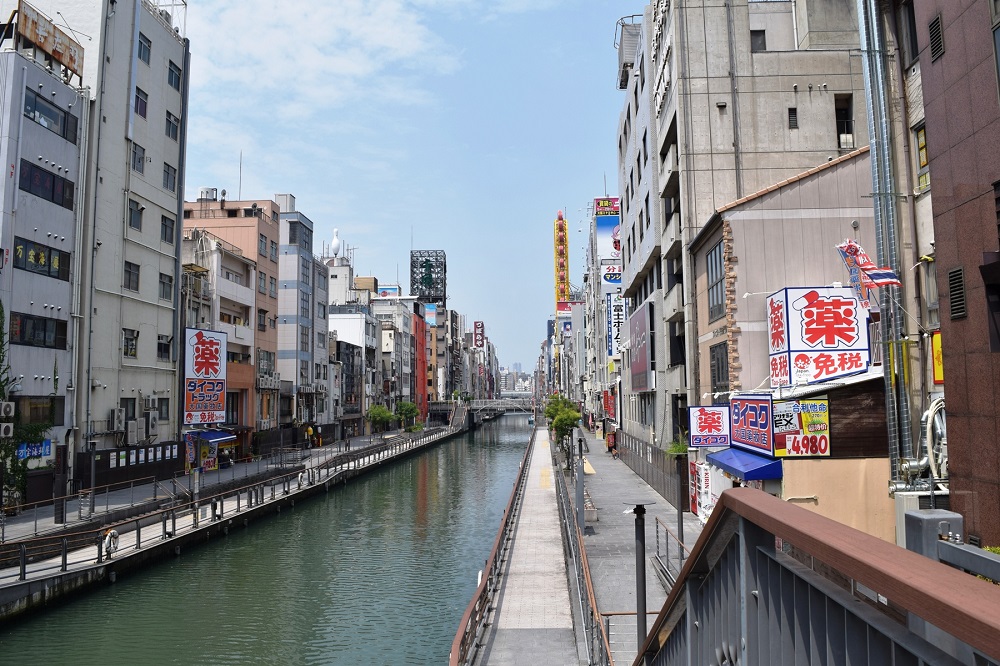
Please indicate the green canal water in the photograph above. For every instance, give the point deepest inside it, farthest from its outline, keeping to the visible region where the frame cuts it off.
(378, 571)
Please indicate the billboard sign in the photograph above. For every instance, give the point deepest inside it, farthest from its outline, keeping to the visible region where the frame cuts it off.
(611, 277)
(801, 428)
(41, 32)
(607, 218)
(478, 334)
(640, 347)
(709, 425)
(616, 321)
(389, 291)
(750, 416)
(204, 376)
(816, 334)
(431, 313)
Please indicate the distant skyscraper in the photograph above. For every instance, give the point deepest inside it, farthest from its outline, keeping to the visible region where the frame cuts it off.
(429, 276)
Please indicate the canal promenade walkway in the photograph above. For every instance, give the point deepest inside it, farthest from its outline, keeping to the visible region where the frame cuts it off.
(44, 573)
(535, 600)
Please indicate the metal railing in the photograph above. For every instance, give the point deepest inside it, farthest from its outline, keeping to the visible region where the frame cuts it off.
(670, 565)
(597, 632)
(466, 643)
(771, 582)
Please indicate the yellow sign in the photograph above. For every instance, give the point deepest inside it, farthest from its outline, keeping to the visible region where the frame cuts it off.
(938, 357)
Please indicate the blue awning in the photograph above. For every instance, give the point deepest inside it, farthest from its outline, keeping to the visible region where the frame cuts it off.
(214, 436)
(746, 466)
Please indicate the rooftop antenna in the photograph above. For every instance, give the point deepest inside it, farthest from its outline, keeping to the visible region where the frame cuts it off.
(75, 33)
(239, 190)
(605, 183)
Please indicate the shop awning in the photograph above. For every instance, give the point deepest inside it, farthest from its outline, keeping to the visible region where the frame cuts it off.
(214, 436)
(746, 466)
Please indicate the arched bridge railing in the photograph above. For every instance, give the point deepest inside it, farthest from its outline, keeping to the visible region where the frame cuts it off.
(502, 405)
(773, 583)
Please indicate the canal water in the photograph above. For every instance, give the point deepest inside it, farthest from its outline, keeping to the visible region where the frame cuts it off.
(378, 571)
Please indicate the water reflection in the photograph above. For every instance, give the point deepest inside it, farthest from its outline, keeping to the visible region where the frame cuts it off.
(377, 572)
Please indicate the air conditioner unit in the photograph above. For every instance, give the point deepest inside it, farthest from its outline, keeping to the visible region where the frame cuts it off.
(132, 434)
(6, 410)
(152, 422)
(6, 430)
(140, 429)
(116, 421)
(150, 403)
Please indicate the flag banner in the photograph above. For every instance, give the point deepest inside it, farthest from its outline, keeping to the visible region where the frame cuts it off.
(863, 269)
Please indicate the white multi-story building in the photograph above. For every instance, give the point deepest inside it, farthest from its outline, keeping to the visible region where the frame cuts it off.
(42, 126)
(130, 264)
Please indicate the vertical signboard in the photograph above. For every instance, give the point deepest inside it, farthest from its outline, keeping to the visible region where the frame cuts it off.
(751, 423)
(478, 334)
(611, 277)
(431, 313)
(816, 334)
(640, 349)
(607, 220)
(204, 376)
(709, 426)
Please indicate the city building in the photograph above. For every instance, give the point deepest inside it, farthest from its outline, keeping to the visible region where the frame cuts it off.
(251, 226)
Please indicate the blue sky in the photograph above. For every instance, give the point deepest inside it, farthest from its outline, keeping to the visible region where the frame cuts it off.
(461, 124)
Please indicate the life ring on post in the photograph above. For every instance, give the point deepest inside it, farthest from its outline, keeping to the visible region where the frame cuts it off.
(110, 541)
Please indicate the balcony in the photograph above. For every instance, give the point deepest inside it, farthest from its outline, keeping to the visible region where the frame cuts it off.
(669, 175)
(238, 332)
(237, 293)
(671, 244)
(673, 304)
(675, 378)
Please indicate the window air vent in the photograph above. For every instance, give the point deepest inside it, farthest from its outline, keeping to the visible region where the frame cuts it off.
(793, 117)
(937, 38)
(956, 293)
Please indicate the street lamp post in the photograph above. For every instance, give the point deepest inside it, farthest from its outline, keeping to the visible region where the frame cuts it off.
(93, 474)
(579, 486)
(640, 571)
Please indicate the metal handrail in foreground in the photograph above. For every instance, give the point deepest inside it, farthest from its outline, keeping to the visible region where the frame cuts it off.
(474, 619)
(760, 562)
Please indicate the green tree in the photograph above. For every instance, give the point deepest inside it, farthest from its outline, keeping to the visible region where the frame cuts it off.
(407, 412)
(379, 416)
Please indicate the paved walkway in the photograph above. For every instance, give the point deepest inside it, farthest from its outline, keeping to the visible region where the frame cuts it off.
(534, 620)
(610, 543)
(535, 601)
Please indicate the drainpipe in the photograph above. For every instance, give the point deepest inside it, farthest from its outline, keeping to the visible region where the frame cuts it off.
(897, 400)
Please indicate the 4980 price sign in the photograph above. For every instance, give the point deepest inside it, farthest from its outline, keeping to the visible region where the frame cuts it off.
(807, 445)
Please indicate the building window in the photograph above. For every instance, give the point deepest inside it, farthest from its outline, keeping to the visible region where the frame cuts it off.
(923, 162)
(718, 358)
(135, 214)
(908, 32)
(173, 126)
(304, 336)
(262, 282)
(274, 251)
(320, 310)
(138, 158)
(273, 287)
(41, 259)
(304, 273)
(716, 283)
(145, 48)
(166, 286)
(261, 320)
(167, 229)
(163, 348)
(758, 41)
(320, 339)
(793, 117)
(46, 185)
(163, 406)
(843, 106)
(50, 116)
(131, 276)
(141, 101)
(35, 331)
(130, 343)
(174, 75)
(304, 305)
(169, 178)
(41, 409)
(128, 404)
(262, 245)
